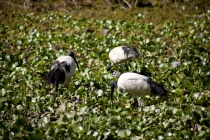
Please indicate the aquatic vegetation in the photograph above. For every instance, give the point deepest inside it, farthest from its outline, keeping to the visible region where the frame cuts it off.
(84, 110)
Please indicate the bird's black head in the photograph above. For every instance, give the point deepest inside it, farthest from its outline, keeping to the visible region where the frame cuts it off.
(73, 56)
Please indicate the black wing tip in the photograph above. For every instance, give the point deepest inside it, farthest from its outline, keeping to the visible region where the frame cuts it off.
(49, 77)
(55, 77)
(126, 47)
(158, 89)
(130, 51)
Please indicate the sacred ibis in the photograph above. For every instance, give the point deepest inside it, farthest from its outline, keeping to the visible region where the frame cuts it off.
(62, 70)
(122, 54)
(137, 85)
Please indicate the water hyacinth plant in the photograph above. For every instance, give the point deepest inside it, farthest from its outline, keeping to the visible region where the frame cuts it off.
(175, 64)
(116, 73)
(83, 109)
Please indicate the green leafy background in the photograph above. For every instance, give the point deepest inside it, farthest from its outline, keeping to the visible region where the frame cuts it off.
(30, 109)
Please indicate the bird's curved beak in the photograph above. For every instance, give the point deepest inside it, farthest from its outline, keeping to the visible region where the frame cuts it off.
(76, 62)
(109, 68)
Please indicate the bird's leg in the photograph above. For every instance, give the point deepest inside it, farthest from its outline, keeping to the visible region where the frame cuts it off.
(126, 66)
(56, 87)
(136, 64)
(118, 67)
(135, 104)
(56, 84)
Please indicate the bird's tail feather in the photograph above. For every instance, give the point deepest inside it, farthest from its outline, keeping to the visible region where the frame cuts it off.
(50, 77)
(157, 89)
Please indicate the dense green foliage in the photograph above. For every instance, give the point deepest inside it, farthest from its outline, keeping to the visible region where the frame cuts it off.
(176, 54)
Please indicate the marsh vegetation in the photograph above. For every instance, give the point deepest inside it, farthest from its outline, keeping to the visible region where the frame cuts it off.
(174, 45)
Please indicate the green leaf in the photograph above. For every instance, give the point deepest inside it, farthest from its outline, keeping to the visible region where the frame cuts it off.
(36, 136)
(77, 128)
(21, 121)
(121, 133)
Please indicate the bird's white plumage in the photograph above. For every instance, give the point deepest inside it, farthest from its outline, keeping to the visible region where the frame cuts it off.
(117, 55)
(135, 84)
(70, 62)
(62, 70)
(122, 54)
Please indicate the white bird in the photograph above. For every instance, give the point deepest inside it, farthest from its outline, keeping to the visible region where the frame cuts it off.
(122, 54)
(137, 85)
(62, 70)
